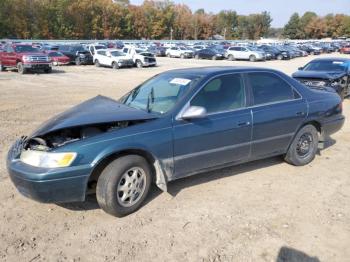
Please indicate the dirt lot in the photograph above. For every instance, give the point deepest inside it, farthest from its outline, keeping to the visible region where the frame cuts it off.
(262, 211)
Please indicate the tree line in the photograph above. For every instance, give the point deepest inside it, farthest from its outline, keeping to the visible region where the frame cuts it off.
(107, 19)
(118, 19)
(312, 26)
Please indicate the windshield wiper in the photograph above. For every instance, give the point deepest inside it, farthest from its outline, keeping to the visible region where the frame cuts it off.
(150, 99)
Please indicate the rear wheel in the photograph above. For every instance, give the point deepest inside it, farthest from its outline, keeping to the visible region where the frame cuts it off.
(21, 68)
(2, 68)
(123, 185)
(97, 63)
(168, 55)
(213, 57)
(196, 56)
(304, 146)
(48, 70)
(182, 56)
(279, 57)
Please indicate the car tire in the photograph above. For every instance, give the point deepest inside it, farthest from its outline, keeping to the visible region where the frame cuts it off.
(97, 63)
(139, 64)
(312, 53)
(2, 68)
(213, 57)
(304, 146)
(168, 55)
(196, 56)
(123, 185)
(21, 68)
(252, 58)
(279, 57)
(77, 61)
(48, 71)
(182, 56)
(231, 58)
(115, 65)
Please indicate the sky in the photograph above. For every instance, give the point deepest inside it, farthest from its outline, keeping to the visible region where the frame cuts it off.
(280, 10)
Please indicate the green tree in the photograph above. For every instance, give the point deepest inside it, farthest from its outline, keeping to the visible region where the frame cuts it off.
(293, 29)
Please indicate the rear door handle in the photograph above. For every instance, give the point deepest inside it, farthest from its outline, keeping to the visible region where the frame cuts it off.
(244, 123)
(300, 113)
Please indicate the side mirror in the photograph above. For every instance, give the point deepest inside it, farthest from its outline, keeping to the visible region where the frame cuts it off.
(300, 68)
(194, 112)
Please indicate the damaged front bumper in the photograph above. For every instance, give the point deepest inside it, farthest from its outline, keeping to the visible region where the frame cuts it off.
(47, 185)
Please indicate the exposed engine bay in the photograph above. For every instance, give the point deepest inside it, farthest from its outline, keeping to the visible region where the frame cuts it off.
(65, 136)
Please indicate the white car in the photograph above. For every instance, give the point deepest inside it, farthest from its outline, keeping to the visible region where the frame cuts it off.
(112, 58)
(94, 47)
(244, 53)
(179, 51)
(141, 58)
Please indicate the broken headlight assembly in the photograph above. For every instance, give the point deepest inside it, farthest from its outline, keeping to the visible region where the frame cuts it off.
(47, 159)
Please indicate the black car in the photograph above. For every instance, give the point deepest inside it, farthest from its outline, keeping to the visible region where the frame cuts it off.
(157, 50)
(77, 54)
(209, 53)
(269, 54)
(278, 54)
(310, 49)
(326, 72)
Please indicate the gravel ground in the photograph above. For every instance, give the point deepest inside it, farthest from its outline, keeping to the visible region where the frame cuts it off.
(262, 211)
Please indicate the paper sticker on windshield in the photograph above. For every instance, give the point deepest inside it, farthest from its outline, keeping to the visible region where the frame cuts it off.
(338, 62)
(180, 81)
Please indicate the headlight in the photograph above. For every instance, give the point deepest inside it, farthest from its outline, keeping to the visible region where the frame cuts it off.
(320, 83)
(46, 159)
(82, 55)
(27, 58)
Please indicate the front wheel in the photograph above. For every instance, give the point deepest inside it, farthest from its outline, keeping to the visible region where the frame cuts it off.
(304, 146)
(139, 64)
(231, 57)
(21, 68)
(123, 185)
(2, 68)
(97, 63)
(77, 61)
(252, 58)
(115, 65)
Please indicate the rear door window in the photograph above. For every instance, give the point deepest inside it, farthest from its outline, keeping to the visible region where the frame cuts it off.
(269, 88)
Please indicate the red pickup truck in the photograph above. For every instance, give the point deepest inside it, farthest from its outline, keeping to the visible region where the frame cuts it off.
(25, 58)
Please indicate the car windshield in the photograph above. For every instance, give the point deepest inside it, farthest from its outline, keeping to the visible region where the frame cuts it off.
(326, 66)
(55, 54)
(117, 53)
(78, 49)
(160, 93)
(26, 49)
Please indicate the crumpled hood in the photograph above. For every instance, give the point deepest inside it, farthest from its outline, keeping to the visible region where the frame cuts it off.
(97, 110)
(318, 74)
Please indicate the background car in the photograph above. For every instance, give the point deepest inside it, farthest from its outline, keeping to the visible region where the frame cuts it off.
(112, 58)
(208, 53)
(244, 53)
(345, 49)
(58, 58)
(77, 54)
(326, 72)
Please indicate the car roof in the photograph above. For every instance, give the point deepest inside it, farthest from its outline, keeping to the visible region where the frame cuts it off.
(216, 70)
(338, 59)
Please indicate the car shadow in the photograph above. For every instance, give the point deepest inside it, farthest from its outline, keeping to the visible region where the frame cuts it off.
(176, 186)
(287, 254)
